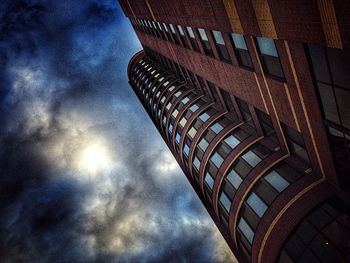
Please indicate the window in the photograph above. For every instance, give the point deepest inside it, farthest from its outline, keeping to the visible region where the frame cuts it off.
(296, 143)
(183, 122)
(168, 106)
(193, 40)
(245, 111)
(257, 204)
(168, 35)
(213, 91)
(232, 141)
(332, 80)
(182, 36)
(194, 107)
(234, 179)
(185, 100)
(177, 138)
(225, 201)
(173, 31)
(204, 117)
(217, 160)
(277, 181)
(269, 57)
(251, 158)
(227, 99)
(192, 132)
(205, 42)
(209, 180)
(175, 113)
(177, 94)
(203, 144)
(328, 242)
(196, 162)
(170, 128)
(186, 149)
(246, 230)
(161, 33)
(217, 127)
(221, 46)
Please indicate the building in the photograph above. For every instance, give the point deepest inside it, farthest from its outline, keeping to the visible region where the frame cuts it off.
(252, 97)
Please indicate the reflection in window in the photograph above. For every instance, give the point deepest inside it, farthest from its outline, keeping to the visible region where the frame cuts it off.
(217, 127)
(221, 46)
(296, 143)
(241, 50)
(322, 236)
(246, 230)
(205, 42)
(182, 36)
(192, 39)
(269, 57)
(331, 72)
(209, 180)
(225, 201)
(262, 195)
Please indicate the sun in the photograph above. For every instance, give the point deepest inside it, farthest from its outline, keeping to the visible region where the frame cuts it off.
(94, 158)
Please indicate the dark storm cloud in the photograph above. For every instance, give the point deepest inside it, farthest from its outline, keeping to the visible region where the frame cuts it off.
(63, 86)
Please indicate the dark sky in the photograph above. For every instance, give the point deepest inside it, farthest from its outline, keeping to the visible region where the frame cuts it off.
(84, 175)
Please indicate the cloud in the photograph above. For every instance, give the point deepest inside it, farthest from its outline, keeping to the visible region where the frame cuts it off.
(63, 92)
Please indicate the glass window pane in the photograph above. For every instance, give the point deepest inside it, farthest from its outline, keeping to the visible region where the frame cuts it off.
(217, 159)
(239, 41)
(246, 230)
(204, 117)
(185, 100)
(194, 107)
(203, 144)
(242, 167)
(177, 94)
(172, 28)
(186, 149)
(343, 99)
(168, 106)
(218, 37)
(319, 63)
(232, 141)
(180, 30)
(277, 181)
(192, 132)
(216, 128)
(209, 180)
(225, 201)
(234, 179)
(183, 122)
(339, 60)
(267, 46)
(325, 250)
(202, 34)
(175, 113)
(196, 163)
(251, 158)
(190, 32)
(257, 204)
(177, 138)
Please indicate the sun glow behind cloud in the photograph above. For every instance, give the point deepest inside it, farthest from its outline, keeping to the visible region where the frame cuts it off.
(94, 158)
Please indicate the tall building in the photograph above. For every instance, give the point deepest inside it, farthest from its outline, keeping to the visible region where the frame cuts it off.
(253, 99)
